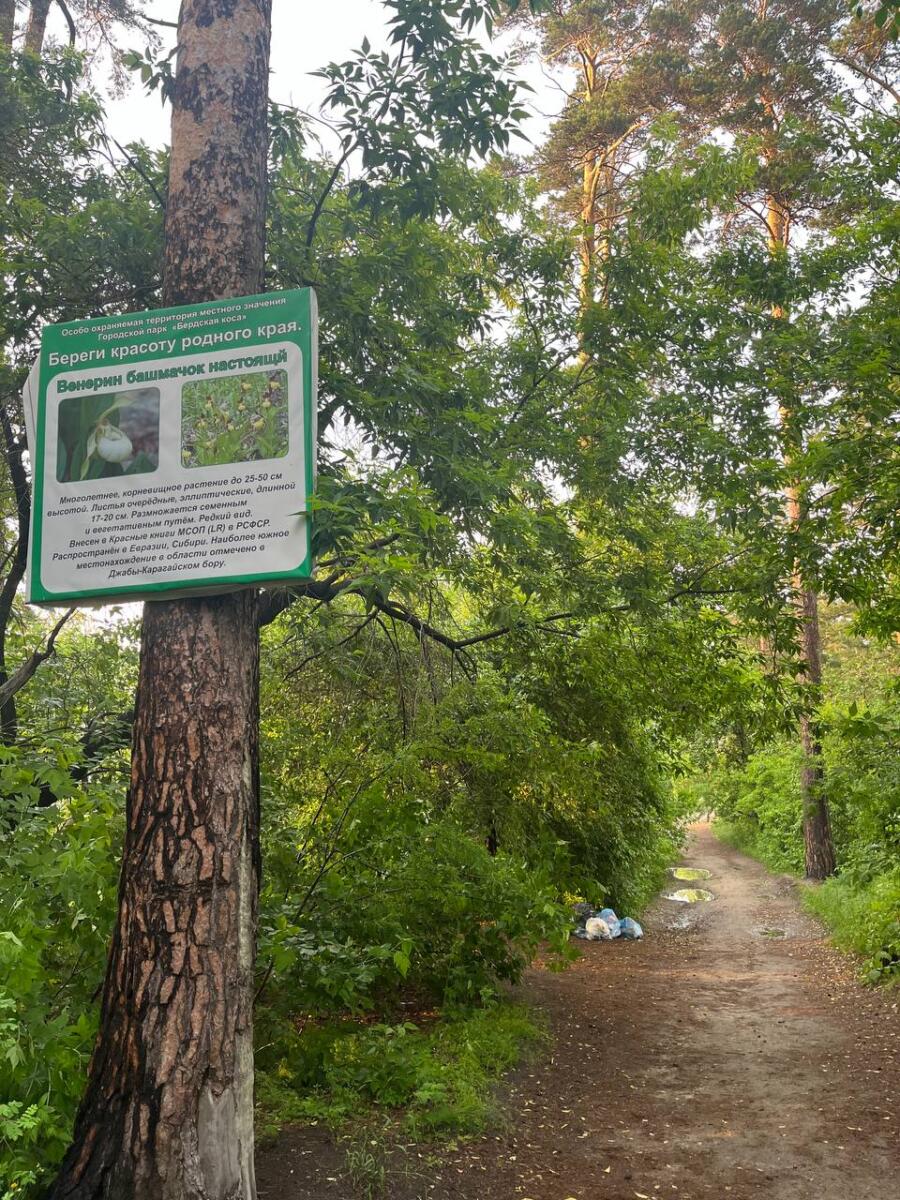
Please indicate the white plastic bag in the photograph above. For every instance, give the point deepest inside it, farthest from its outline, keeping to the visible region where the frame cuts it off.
(597, 929)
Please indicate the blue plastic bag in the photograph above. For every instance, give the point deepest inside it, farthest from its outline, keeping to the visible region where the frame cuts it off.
(629, 928)
(615, 925)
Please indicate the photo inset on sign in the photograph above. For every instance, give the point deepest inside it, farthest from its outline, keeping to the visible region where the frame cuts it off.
(101, 437)
(243, 418)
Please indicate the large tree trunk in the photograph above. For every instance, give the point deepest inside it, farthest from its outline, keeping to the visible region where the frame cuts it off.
(818, 843)
(37, 26)
(168, 1110)
(7, 22)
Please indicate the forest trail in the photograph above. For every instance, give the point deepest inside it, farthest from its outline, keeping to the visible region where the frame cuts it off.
(731, 1054)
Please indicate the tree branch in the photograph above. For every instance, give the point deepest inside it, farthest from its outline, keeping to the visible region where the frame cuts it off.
(320, 203)
(64, 9)
(136, 166)
(867, 73)
(23, 674)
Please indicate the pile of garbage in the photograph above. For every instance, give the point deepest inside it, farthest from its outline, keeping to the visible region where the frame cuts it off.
(602, 925)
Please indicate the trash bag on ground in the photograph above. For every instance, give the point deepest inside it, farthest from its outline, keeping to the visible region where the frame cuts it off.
(581, 913)
(629, 928)
(597, 929)
(615, 925)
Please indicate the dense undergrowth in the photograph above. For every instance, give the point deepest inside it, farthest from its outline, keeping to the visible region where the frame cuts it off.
(438, 1071)
(423, 837)
(759, 811)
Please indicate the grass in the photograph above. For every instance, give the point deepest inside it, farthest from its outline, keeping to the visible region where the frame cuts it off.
(434, 1080)
(771, 855)
(863, 919)
(365, 1164)
(235, 419)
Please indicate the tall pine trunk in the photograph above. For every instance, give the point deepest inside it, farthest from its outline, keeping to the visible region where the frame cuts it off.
(37, 26)
(817, 839)
(590, 175)
(7, 22)
(168, 1112)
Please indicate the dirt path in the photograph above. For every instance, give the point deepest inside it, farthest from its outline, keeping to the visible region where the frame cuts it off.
(712, 1061)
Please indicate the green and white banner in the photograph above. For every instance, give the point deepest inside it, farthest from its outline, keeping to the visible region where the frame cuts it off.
(173, 451)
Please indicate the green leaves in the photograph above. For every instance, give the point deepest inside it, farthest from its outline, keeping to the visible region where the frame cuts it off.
(155, 74)
(886, 17)
(440, 93)
(57, 900)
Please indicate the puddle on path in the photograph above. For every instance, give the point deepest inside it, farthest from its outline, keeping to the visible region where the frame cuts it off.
(690, 874)
(690, 895)
(770, 932)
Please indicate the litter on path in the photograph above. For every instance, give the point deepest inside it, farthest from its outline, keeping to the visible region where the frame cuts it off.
(602, 925)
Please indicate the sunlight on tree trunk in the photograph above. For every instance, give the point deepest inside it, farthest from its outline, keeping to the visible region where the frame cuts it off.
(590, 175)
(168, 1111)
(599, 203)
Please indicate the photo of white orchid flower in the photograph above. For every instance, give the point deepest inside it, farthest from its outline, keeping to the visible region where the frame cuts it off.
(101, 437)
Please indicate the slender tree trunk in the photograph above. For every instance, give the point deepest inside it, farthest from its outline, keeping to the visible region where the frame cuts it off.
(818, 842)
(9, 726)
(743, 742)
(587, 242)
(7, 22)
(493, 840)
(37, 26)
(590, 176)
(168, 1111)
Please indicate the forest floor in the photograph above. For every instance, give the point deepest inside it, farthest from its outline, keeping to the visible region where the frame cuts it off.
(730, 1055)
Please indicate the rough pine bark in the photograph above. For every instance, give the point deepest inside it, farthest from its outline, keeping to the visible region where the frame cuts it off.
(37, 26)
(167, 1114)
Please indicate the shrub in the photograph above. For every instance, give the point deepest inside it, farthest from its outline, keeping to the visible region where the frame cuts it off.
(441, 1073)
(57, 903)
(864, 919)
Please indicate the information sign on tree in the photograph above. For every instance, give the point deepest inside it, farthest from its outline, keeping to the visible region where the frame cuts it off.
(174, 450)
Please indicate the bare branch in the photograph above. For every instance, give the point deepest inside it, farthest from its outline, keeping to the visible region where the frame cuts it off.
(70, 21)
(24, 673)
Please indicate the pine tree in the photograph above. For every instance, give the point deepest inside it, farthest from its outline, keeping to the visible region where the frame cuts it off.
(765, 78)
(626, 60)
(7, 22)
(760, 74)
(168, 1111)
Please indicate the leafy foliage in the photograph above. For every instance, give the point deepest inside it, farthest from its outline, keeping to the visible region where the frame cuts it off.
(57, 902)
(440, 1073)
(234, 420)
(758, 804)
(553, 609)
